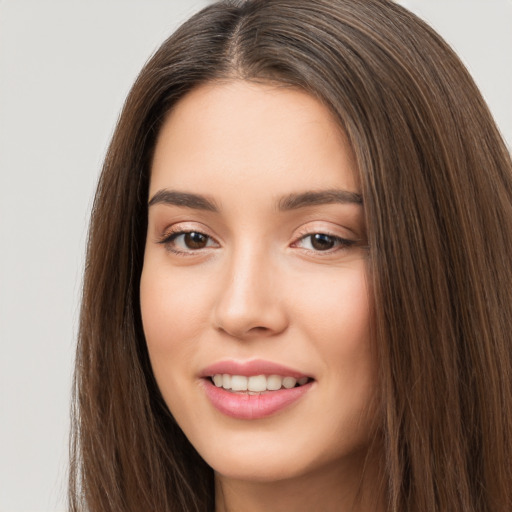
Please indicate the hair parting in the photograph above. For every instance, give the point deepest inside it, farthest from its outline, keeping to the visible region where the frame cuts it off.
(436, 180)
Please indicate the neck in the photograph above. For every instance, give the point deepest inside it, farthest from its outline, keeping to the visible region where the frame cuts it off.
(330, 489)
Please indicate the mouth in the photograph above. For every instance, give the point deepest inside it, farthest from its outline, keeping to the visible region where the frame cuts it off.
(254, 389)
(256, 384)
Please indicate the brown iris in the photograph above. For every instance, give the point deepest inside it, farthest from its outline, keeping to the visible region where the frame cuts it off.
(322, 242)
(194, 240)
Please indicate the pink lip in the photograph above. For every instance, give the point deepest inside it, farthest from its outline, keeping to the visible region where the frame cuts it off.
(244, 406)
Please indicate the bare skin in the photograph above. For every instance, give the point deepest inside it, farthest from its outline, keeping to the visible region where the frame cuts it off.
(329, 491)
(256, 254)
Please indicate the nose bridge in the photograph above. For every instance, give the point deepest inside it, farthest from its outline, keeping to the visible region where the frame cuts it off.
(248, 300)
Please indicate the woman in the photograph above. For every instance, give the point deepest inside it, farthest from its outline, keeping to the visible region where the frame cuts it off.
(298, 292)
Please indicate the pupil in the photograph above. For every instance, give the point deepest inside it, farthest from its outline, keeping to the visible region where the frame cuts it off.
(322, 242)
(195, 240)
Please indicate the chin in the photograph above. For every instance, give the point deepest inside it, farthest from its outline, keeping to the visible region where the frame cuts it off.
(268, 459)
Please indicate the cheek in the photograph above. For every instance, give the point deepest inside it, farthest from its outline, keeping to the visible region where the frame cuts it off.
(352, 345)
(335, 312)
(171, 318)
(174, 313)
(336, 306)
(171, 301)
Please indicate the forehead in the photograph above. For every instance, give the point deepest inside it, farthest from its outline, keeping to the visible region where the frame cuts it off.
(266, 135)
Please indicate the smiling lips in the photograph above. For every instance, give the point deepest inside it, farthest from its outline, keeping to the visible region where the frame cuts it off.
(254, 389)
(256, 383)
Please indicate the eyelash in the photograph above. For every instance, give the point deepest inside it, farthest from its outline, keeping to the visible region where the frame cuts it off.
(169, 238)
(340, 243)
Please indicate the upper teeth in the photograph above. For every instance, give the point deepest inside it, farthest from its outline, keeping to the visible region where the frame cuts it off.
(256, 382)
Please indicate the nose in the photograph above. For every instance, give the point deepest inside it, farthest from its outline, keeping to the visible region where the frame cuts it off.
(250, 302)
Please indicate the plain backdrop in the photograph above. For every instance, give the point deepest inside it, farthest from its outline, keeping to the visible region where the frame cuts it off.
(65, 69)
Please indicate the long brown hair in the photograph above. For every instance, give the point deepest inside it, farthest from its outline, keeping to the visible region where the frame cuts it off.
(437, 185)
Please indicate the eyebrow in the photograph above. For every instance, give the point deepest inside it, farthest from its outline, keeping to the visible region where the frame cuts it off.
(186, 199)
(312, 198)
(289, 202)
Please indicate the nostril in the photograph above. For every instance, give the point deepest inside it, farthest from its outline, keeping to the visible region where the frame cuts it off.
(258, 329)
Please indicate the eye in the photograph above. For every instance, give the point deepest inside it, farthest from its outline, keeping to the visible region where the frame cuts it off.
(187, 241)
(323, 242)
(192, 240)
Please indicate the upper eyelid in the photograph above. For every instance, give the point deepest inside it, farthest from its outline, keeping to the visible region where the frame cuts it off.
(342, 241)
(186, 227)
(169, 233)
(307, 229)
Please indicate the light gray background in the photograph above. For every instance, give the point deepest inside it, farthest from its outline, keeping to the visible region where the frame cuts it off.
(65, 68)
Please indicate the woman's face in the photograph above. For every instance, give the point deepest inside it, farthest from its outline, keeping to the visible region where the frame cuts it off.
(255, 276)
